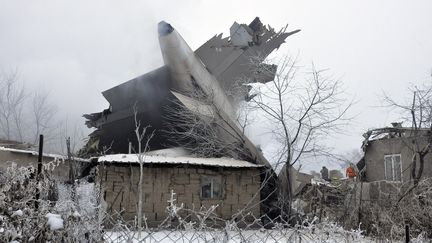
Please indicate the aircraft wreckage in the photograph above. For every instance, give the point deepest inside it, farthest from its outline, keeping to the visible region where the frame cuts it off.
(213, 69)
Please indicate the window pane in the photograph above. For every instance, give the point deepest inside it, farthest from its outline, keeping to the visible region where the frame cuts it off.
(211, 187)
(388, 168)
(217, 188)
(397, 168)
(206, 188)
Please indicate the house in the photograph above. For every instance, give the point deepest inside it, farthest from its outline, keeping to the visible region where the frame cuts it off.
(230, 184)
(389, 151)
(12, 152)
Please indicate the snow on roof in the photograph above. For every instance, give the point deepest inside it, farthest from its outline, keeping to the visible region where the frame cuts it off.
(160, 159)
(31, 152)
(172, 152)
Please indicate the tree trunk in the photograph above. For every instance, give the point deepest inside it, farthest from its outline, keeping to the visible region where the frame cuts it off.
(286, 207)
(140, 192)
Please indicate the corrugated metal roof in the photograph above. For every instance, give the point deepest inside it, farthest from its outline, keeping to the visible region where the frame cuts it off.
(160, 159)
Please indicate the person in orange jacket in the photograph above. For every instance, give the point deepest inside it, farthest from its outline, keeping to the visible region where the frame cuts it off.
(350, 172)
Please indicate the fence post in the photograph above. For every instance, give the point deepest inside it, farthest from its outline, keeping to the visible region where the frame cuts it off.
(39, 170)
(407, 234)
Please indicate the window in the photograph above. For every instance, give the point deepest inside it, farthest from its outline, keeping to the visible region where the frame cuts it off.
(393, 167)
(211, 187)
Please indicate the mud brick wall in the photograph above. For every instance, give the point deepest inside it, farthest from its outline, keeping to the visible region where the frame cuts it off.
(240, 187)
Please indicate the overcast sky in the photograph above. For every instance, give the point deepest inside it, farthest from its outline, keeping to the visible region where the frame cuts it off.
(77, 49)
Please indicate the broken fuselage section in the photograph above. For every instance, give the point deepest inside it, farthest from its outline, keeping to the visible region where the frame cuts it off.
(220, 69)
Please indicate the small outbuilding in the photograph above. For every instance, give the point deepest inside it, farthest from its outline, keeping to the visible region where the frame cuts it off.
(58, 165)
(389, 153)
(232, 185)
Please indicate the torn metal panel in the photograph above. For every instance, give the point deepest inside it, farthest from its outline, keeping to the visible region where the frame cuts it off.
(146, 91)
(229, 59)
(188, 73)
(241, 35)
(213, 69)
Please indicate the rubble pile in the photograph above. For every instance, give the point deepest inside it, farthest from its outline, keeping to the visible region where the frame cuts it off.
(326, 200)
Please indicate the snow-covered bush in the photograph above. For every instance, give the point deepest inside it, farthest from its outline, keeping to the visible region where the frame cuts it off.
(53, 217)
(413, 207)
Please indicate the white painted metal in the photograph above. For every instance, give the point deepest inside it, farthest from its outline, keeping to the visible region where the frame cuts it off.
(186, 68)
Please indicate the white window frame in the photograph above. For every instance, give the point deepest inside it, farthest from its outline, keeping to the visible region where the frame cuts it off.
(392, 156)
(213, 180)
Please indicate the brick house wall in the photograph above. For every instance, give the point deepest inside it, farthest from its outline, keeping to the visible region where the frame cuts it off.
(119, 182)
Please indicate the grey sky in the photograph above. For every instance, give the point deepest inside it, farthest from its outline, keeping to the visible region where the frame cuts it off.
(77, 49)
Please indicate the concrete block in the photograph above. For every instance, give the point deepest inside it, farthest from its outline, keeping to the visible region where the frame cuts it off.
(389, 187)
(365, 194)
(129, 216)
(111, 175)
(256, 179)
(148, 207)
(178, 189)
(185, 199)
(120, 169)
(165, 197)
(159, 216)
(117, 188)
(201, 171)
(183, 171)
(245, 180)
(156, 197)
(194, 175)
(180, 179)
(110, 196)
(374, 191)
(229, 189)
(195, 181)
(226, 210)
(252, 188)
(232, 199)
(150, 216)
(196, 199)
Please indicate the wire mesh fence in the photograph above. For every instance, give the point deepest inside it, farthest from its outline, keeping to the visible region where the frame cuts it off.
(61, 219)
(185, 225)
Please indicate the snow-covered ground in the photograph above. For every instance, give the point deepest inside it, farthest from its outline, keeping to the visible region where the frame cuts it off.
(268, 236)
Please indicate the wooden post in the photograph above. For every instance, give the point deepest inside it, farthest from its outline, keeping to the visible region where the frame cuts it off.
(130, 148)
(407, 234)
(360, 204)
(72, 175)
(39, 170)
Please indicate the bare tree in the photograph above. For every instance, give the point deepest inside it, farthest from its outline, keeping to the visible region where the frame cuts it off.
(303, 112)
(12, 98)
(23, 118)
(418, 113)
(143, 140)
(197, 124)
(43, 114)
